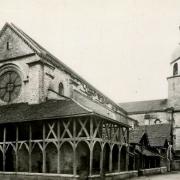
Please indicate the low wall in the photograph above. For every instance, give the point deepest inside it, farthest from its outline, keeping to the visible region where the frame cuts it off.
(35, 176)
(43, 176)
(152, 171)
(116, 176)
(176, 165)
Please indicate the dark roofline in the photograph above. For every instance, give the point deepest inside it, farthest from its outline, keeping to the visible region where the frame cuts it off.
(144, 101)
(58, 63)
(88, 113)
(112, 120)
(143, 111)
(173, 61)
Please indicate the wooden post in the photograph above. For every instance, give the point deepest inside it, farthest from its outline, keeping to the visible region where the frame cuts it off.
(44, 149)
(91, 146)
(127, 153)
(91, 127)
(134, 162)
(58, 147)
(119, 160)
(90, 160)
(74, 148)
(74, 161)
(30, 147)
(17, 134)
(127, 158)
(101, 161)
(4, 148)
(110, 160)
(127, 135)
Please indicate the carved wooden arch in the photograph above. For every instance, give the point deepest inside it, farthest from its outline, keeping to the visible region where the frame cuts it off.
(118, 145)
(12, 145)
(39, 145)
(69, 142)
(1, 148)
(94, 143)
(103, 145)
(123, 145)
(83, 140)
(53, 143)
(25, 145)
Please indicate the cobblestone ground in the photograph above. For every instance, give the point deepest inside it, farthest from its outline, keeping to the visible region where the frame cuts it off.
(168, 176)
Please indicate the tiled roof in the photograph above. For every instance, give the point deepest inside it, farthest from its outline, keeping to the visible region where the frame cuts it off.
(157, 134)
(42, 52)
(144, 106)
(98, 108)
(136, 135)
(50, 109)
(146, 152)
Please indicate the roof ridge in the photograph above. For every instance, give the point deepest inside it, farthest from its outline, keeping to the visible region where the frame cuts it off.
(143, 101)
(42, 52)
(26, 37)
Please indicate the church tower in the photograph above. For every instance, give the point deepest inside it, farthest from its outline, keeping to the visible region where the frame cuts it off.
(174, 80)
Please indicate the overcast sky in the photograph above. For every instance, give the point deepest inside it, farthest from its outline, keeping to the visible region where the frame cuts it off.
(122, 47)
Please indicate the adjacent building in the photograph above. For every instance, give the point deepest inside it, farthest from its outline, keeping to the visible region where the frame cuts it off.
(162, 111)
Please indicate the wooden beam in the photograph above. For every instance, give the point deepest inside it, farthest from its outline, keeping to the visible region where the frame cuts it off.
(110, 160)
(90, 160)
(127, 158)
(91, 127)
(74, 161)
(16, 152)
(119, 160)
(101, 162)
(44, 149)
(30, 147)
(58, 147)
(4, 148)
(74, 148)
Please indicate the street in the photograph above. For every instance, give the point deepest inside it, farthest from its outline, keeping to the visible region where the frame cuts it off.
(168, 176)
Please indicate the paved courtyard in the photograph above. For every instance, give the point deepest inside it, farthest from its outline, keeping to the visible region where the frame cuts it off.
(168, 176)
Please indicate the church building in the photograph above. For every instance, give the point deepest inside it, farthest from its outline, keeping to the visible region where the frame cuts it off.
(162, 111)
(52, 121)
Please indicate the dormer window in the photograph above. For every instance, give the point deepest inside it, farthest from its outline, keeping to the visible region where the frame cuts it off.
(175, 69)
(61, 89)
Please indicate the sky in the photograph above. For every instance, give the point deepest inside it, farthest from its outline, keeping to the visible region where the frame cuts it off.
(122, 47)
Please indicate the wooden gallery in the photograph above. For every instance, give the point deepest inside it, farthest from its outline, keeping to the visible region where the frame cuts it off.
(52, 121)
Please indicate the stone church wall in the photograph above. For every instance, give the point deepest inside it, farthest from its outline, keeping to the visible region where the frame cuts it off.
(177, 131)
(150, 118)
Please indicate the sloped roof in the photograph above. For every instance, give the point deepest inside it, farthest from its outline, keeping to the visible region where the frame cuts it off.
(48, 110)
(51, 109)
(146, 152)
(157, 134)
(144, 106)
(136, 135)
(42, 52)
(175, 54)
(98, 108)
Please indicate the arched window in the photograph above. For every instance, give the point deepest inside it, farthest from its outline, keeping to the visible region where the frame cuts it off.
(61, 88)
(157, 121)
(175, 69)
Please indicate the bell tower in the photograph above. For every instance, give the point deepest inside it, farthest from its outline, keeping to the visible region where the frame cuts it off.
(174, 80)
